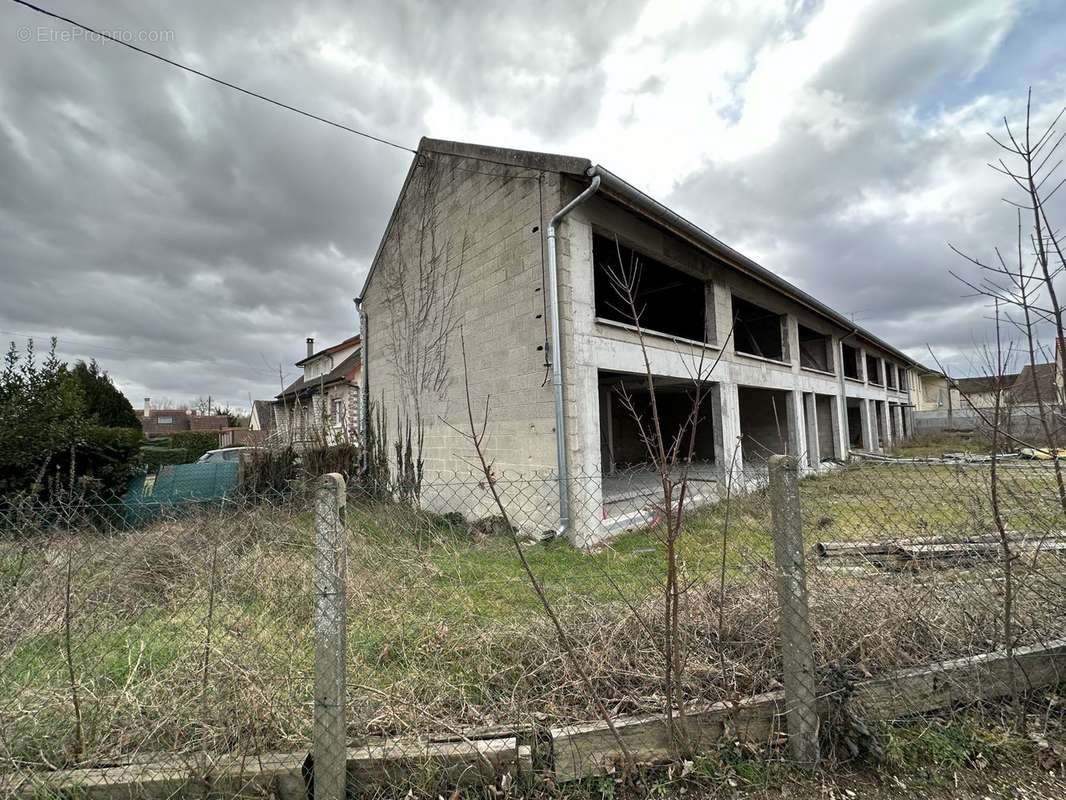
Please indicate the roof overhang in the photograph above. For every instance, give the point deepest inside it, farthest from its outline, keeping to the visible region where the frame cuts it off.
(628, 196)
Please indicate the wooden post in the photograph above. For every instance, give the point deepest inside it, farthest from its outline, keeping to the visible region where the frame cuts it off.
(797, 650)
(329, 740)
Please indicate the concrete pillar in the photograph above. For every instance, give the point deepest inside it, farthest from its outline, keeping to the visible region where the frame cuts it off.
(585, 481)
(886, 416)
(725, 410)
(900, 428)
(840, 401)
(869, 426)
(840, 433)
(810, 411)
(792, 339)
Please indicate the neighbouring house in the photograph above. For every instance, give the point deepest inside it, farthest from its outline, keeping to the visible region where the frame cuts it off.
(321, 407)
(511, 251)
(157, 422)
(982, 391)
(261, 420)
(1037, 384)
(932, 391)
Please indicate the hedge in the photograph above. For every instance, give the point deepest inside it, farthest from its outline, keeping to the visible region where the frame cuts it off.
(195, 443)
(161, 456)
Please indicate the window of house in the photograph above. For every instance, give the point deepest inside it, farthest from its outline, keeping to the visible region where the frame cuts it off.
(814, 349)
(890, 375)
(166, 420)
(757, 331)
(338, 412)
(873, 369)
(850, 357)
(903, 385)
(667, 300)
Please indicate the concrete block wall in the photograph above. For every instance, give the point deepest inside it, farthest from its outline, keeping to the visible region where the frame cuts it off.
(497, 210)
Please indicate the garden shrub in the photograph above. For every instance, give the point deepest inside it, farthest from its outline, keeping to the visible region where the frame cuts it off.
(194, 443)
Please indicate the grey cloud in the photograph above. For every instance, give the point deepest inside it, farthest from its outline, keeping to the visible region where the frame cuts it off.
(190, 237)
(799, 204)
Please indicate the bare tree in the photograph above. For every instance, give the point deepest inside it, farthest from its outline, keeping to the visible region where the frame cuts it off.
(671, 455)
(1023, 287)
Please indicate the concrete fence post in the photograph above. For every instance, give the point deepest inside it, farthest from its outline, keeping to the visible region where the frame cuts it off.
(797, 649)
(329, 739)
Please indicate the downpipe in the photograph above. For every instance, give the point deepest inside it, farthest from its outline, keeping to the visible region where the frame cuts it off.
(364, 387)
(555, 353)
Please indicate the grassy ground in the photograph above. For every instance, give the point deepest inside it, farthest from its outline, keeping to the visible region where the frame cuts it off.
(197, 633)
(936, 445)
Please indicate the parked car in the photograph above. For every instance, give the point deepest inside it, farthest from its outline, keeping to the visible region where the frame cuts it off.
(224, 455)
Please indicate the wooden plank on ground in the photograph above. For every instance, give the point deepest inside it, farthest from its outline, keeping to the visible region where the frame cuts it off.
(407, 761)
(980, 677)
(591, 749)
(383, 763)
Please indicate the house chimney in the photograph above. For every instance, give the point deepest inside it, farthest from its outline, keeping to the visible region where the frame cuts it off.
(147, 408)
(310, 346)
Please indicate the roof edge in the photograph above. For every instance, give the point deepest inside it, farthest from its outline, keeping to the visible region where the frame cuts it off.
(529, 159)
(624, 192)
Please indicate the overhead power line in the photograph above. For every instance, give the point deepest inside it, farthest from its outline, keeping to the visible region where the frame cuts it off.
(227, 84)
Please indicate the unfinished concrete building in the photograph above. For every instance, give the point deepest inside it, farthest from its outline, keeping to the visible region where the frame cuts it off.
(517, 251)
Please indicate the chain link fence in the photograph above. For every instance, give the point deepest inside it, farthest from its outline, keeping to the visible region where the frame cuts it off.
(458, 642)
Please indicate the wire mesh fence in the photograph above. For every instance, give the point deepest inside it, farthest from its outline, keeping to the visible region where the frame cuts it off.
(189, 641)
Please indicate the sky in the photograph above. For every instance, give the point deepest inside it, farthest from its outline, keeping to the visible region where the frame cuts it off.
(190, 237)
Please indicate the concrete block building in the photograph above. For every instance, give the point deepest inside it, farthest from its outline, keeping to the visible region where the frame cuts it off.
(510, 253)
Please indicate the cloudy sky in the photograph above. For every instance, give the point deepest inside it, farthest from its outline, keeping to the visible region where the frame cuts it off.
(190, 237)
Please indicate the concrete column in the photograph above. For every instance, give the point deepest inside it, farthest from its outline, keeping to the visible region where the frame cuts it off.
(840, 401)
(725, 410)
(869, 426)
(792, 340)
(900, 430)
(585, 482)
(840, 434)
(810, 411)
(886, 416)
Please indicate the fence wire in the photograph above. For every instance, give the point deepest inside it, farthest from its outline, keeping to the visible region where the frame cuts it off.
(188, 640)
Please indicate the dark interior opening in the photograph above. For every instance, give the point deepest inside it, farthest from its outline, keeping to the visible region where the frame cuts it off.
(764, 423)
(823, 407)
(621, 444)
(757, 331)
(850, 357)
(667, 300)
(890, 375)
(873, 369)
(814, 349)
(855, 424)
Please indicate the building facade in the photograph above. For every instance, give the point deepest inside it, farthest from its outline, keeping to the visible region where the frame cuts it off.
(466, 268)
(321, 407)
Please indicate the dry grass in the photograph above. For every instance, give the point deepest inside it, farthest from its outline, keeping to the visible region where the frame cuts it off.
(195, 634)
